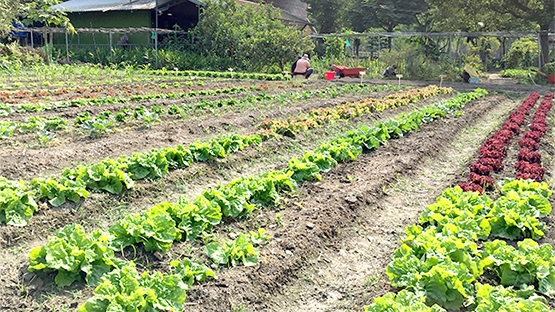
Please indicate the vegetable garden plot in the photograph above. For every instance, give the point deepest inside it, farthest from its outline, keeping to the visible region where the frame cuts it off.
(55, 217)
(59, 300)
(97, 123)
(392, 130)
(468, 217)
(42, 258)
(154, 134)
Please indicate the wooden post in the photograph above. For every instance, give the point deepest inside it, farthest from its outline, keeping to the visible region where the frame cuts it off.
(67, 48)
(539, 52)
(441, 80)
(449, 47)
(111, 50)
(399, 76)
(32, 42)
(379, 50)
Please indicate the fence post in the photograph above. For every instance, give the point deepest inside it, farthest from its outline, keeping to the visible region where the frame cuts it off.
(539, 51)
(449, 47)
(111, 50)
(32, 42)
(67, 48)
(379, 51)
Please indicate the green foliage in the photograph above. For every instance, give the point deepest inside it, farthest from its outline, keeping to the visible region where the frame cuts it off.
(413, 63)
(374, 13)
(239, 32)
(459, 213)
(14, 57)
(41, 11)
(443, 267)
(231, 198)
(341, 150)
(240, 250)
(530, 264)
(523, 53)
(334, 47)
(404, 301)
(522, 75)
(108, 175)
(473, 61)
(328, 15)
(498, 298)
(58, 191)
(8, 13)
(127, 290)
(72, 253)
(17, 206)
(194, 219)
(528, 187)
(443, 261)
(82, 117)
(549, 68)
(516, 215)
(35, 124)
(155, 229)
(304, 169)
(203, 151)
(97, 127)
(178, 157)
(191, 272)
(150, 165)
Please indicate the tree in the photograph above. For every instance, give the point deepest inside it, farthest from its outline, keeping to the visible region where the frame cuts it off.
(8, 12)
(41, 11)
(249, 35)
(385, 14)
(496, 15)
(328, 15)
(539, 12)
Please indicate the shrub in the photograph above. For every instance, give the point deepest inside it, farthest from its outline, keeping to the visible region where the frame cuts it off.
(523, 53)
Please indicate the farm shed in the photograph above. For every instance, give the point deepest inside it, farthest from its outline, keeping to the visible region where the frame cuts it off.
(140, 13)
(129, 13)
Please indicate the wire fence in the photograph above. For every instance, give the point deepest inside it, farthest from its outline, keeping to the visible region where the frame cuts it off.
(381, 48)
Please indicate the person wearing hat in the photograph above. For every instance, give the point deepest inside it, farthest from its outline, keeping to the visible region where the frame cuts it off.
(303, 67)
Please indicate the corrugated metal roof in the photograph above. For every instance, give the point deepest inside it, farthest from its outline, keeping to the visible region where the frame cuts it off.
(106, 5)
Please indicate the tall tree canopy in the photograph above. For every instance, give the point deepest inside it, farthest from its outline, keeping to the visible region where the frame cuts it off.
(328, 15)
(8, 11)
(385, 14)
(496, 15)
(247, 34)
(29, 11)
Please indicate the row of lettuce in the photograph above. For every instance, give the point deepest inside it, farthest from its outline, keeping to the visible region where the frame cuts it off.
(457, 257)
(91, 256)
(18, 200)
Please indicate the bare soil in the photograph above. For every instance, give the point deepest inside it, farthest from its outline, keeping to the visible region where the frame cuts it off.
(330, 242)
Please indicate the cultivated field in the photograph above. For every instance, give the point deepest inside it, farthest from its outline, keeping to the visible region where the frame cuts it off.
(286, 195)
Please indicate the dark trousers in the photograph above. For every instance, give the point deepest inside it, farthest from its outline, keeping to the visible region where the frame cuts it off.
(305, 74)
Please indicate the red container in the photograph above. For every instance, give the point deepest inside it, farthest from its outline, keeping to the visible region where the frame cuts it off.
(330, 75)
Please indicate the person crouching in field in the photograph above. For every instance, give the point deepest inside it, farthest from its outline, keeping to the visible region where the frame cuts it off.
(390, 71)
(303, 67)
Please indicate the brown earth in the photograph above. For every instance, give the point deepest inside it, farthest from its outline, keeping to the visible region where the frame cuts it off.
(22, 159)
(330, 242)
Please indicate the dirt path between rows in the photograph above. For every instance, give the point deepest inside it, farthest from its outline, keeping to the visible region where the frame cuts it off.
(337, 236)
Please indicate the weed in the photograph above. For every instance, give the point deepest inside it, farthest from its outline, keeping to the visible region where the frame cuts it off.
(278, 219)
(239, 308)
